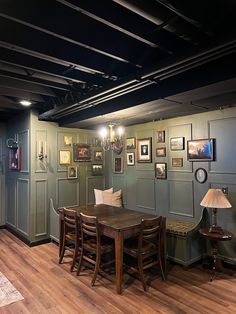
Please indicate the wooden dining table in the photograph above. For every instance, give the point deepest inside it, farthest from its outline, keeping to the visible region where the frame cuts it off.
(117, 223)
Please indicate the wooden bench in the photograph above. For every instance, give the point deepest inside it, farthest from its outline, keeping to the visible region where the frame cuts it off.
(184, 243)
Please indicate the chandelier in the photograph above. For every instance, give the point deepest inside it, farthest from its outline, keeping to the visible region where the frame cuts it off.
(111, 138)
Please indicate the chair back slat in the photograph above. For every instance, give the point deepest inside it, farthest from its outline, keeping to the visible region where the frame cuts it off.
(151, 228)
(70, 218)
(89, 225)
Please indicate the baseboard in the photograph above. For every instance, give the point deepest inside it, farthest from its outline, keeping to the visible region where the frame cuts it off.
(3, 227)
(23, 239)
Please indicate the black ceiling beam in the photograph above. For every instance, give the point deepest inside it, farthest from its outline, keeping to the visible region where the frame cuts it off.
(31, 79)
(26, 86)
(11, 92)
(41, 65)
(65, 38)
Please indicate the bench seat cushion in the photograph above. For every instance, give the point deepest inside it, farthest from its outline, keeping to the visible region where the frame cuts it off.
(179, 227)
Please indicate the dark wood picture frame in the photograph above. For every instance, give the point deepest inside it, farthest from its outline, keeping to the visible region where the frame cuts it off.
(177, 143)
(161, 152)
(144, 150)
(161, 170)
(130, 143)
(118, 166)
(201, 150)
(97, 170)
(82, 152)
(177, 162)
(161, 136)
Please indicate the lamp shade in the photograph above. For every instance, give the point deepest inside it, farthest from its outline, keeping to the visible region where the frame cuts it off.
(215, 198)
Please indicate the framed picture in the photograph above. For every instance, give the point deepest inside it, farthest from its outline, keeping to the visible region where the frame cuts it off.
(160, 136)
(130, 143)
(67, 140)
(118, 165)
(177, 162)
(98, 155)
(161, 170)
(14, 158)
(200, 150)
(82, 152)
(161, 152)
(97, 170)
(130, 159)
(72, 172)
(64, 157)
(144, 150)
(177, 143)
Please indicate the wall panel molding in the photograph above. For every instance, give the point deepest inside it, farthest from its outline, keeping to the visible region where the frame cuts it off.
(22, 205)
(145, 193)
(23, 140)
(181, 206)
(67, 192)
(41, 207)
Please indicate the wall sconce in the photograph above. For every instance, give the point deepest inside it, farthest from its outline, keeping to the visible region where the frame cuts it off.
(42, 150)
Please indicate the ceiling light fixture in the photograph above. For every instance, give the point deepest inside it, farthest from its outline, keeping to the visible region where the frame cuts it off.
(112, 138)
(25, 103)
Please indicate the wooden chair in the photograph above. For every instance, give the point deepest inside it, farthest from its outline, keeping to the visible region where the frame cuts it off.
(147, 248)
(94, 245)
(71, 235)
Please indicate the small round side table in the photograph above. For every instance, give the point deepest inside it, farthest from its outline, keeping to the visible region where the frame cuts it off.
(214, 238)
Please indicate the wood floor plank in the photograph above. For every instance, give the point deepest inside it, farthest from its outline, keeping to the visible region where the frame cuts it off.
(49, 287)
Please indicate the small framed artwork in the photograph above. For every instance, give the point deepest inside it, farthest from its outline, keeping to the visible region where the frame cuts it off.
(14, 158)
(130, 159)
(200, 150)
(72, 172)
(144, 150)
(201, 175)
(161, 170)
(160, 136)
(64, 157)
(67, 140)
(118, 165)
(130, 143)
(98, 155)
(82, 152)
(177, 143)
(97, 170)
(177, 162)
(161, 152)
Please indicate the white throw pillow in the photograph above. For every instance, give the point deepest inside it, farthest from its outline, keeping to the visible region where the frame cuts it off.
(113, 199)
(99, 195)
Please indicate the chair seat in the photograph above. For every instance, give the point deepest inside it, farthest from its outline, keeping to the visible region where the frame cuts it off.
(105, 247)
(131, 248)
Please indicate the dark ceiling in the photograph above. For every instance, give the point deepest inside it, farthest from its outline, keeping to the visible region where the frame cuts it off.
(82, 63)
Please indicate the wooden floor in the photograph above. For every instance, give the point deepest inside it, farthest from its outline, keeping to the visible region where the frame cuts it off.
(50, 288)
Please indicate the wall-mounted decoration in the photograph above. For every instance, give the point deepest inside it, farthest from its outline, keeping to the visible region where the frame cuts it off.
(14, 158)
(64, 157)
(161, 170)
(160, 136)
(118, 166)
(97, 170)
(82, 152)
(98, 155)
(161, 152)
(67, 140)
(201, 175)
(144, 150)
(130, 143)
(200, 150)
(72, 172)
(177, 162)
(177, 143)
(41, 150)
(130, 159)
(97, 142)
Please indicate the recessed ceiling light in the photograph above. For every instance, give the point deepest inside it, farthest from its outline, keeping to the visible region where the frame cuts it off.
(25, 103)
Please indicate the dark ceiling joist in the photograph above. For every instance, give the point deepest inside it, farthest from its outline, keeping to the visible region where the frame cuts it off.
(26, 86)
(11, 92)
(49, 58)
(107, 23)
(109, 55)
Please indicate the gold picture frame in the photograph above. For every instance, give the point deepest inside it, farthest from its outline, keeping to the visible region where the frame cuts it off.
(64, 157)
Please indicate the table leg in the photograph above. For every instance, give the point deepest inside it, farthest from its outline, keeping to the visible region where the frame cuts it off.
(119, 260)
(61, 231)
(214, 257)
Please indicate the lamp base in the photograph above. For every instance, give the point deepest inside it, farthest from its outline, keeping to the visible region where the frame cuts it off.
(215, 229)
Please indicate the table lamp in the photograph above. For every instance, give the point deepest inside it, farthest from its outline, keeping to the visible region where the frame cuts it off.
(214, 199)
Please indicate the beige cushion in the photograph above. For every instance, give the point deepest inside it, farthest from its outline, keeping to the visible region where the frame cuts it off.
(113, 199)
(99, 195)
